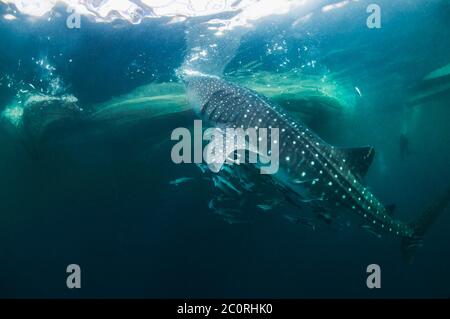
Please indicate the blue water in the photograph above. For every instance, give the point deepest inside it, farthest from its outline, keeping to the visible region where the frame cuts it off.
(98, 194)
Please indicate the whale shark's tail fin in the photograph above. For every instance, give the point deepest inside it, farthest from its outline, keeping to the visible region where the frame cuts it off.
(421, 225)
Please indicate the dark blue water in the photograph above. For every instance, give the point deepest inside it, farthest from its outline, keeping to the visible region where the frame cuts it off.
(98, 194)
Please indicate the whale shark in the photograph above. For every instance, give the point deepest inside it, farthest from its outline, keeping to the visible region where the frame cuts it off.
(311, 171)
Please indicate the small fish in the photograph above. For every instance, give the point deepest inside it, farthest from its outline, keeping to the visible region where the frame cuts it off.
(358, 91)
(264, 207)
(301, 221)
(181, 180)
(219, 182)
(326, 217)
(299, 181)
(202, 167)
(371, 230)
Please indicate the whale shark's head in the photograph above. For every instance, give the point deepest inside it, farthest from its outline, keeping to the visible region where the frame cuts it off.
(200, 88)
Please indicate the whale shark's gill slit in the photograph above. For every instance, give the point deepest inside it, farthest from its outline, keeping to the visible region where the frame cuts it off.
(207, 109)
(217, 104)
(210, 109)
(237, 116)
(232, 105)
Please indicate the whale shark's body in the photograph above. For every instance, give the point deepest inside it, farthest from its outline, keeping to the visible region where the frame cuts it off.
(318, 173)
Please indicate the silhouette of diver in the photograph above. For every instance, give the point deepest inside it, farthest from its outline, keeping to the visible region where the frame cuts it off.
(404, 146)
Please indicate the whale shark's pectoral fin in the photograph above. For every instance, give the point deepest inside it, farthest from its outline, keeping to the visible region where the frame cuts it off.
(359, 159)
(228, 149)
(371, 230)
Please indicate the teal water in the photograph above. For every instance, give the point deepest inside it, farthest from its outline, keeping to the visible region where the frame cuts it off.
(86, 177)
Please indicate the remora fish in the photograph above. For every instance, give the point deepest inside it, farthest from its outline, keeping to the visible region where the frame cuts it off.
(332, 176)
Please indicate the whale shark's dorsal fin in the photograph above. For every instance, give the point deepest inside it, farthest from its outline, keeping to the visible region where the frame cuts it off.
(359, 159)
